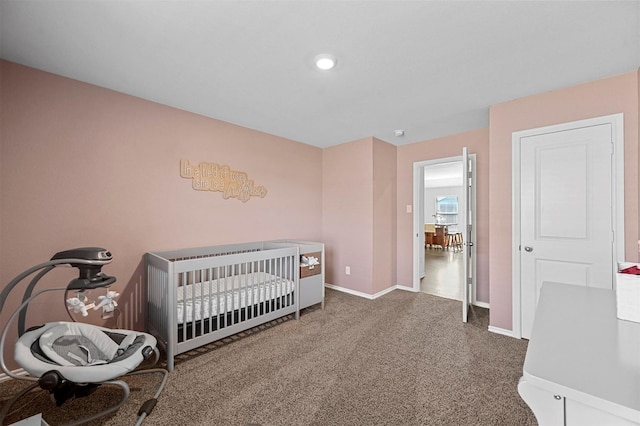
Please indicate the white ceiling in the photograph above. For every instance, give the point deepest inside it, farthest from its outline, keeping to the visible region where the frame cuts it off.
(443, 174)
(431, 68)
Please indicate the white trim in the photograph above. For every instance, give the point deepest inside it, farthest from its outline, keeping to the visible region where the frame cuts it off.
(18, 372)
(406, 288)
(370, 296)
(617, 124)
(416, 224)
(418, 188)
(383, 292)
(618, 209)
(417, 228)
(515, 237)
(474, 234)
(389, 290)
(480, 304)
(349, 291)
(502, 331)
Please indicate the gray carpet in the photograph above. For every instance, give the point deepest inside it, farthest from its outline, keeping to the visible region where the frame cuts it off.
(403, 359)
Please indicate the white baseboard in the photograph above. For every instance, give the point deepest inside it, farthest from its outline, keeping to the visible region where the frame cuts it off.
(383, 292)
(349, 291)
(407, 288)
(366, 295)
(18, 372)
(480, 304)
(390, 289)
(502, 331)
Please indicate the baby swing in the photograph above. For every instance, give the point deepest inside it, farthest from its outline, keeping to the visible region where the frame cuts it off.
(71, 359)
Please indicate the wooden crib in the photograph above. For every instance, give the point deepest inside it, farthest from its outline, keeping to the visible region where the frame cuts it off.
(196, 296)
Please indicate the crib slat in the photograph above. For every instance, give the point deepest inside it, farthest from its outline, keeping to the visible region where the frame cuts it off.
(201, 300)
(234, 302)
(210, 297)
(250, 290)
(222, 300)
(184, 307)
(190, 302)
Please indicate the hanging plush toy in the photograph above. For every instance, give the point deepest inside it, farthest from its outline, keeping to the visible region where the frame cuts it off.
(107, 303)
(78, 306)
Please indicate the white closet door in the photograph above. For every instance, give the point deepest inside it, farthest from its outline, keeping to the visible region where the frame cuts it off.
(566, 212)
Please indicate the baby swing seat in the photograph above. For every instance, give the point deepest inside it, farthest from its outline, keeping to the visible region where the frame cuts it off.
(71, 359)
(104, 353)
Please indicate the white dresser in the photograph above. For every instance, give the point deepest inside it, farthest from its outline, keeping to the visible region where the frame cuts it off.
(583, 364)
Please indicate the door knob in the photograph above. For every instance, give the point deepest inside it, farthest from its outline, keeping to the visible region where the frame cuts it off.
(528, 249)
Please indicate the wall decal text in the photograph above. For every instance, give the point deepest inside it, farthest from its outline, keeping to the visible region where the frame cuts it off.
(221, 178)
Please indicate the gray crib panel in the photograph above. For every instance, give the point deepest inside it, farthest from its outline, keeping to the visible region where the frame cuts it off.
(175, 271)
(161, 299)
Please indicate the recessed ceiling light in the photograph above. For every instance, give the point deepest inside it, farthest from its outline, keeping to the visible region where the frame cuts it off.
(399, 132)
(325, 61)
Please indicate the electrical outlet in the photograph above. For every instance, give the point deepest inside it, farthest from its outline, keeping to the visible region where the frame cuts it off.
(347, 270)
(409, 208)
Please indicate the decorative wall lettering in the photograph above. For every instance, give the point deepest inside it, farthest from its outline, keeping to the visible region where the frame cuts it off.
(220, 178)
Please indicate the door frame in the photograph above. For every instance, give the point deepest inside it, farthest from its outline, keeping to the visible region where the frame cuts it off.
(617, 192)
(418, 229)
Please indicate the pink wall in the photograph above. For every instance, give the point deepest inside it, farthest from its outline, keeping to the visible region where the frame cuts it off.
(598, 98)
(384, 215)
(85, 166)
(347, 222)
(81, 165)
(359, 198)
(477, 142)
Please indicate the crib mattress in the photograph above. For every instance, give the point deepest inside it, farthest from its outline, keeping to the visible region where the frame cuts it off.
(211, 298)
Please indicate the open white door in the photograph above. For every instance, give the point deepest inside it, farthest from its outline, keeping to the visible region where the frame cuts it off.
(466, 229)
(420, 209)
(466, 209)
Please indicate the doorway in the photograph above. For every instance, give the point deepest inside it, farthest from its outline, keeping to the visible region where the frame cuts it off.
(443, 270)
(568, 223)
(465, 218)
